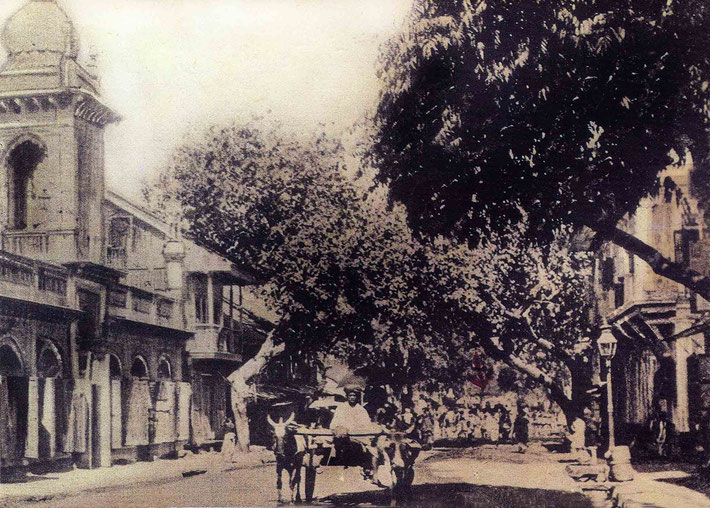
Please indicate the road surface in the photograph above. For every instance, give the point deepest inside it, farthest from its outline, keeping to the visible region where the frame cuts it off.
(499, 480)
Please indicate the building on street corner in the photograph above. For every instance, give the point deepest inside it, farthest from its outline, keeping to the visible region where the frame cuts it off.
(115, 333)
(661, 367)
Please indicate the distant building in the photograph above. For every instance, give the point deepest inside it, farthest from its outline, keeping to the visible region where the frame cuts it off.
(115, 333)
(659, 324)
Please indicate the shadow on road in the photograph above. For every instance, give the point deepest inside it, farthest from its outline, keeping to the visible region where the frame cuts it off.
(697, 481)
(462, 495)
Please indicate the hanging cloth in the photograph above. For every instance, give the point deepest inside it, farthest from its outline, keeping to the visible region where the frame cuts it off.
(76, 437)
(165, 412)
(137, 409)
(7, 429)
(184, 393)
(48, 418)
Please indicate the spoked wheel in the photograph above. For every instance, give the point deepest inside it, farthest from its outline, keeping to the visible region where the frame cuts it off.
(309, 483)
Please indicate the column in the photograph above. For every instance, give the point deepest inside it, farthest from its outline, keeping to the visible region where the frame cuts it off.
(682, 348)
(32, 442)
(101, 411)
(210, 299)
(73, 349)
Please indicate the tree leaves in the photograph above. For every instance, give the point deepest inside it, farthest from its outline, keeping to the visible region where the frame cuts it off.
(524, 81)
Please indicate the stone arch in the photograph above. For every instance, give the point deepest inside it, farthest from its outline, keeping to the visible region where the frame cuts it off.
(21, 159)
(114, 365)
(165, 368)
(11, 363)
(139, 368)
(49, 359)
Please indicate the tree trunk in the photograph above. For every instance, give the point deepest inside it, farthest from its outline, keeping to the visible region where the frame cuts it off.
(569, 406)
(241, 422)
(240, 380)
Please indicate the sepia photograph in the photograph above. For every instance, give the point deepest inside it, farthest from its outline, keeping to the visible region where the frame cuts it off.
(354, 253)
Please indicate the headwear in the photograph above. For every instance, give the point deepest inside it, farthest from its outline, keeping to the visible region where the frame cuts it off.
(351, 387)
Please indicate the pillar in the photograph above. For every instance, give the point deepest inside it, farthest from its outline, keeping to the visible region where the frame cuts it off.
(101, 411)
(210, 299)
(682, 348)
(32, 441)
(73, 349)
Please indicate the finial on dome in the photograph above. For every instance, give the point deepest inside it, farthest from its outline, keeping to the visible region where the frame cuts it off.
(40, 26)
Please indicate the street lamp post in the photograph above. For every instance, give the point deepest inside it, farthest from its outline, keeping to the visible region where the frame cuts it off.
(607, 349)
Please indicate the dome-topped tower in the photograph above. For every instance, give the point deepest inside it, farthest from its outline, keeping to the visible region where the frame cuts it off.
(52, 122)
(42, 49)
(40, 26)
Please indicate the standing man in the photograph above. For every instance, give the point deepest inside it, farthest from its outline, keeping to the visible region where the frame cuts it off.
(577, 438)
(521, 430)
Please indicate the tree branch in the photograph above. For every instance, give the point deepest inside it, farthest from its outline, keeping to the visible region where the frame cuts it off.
(659, 264)
(523, 317)
(240, 377)
(556, 391)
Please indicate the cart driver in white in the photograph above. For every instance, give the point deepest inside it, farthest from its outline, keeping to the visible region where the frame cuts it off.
(351, 417)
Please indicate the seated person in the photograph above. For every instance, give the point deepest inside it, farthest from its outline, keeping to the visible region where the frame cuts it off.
(351, 417)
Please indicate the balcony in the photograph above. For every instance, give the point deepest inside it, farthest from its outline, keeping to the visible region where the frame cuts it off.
(31, 280)
(147, 279)
(134, 304)
(57, 246)
(215, 342)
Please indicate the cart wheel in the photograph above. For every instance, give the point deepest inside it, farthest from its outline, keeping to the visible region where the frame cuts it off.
(310, 483)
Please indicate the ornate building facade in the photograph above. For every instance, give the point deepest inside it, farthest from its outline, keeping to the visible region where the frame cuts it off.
(660, 325)
(115, 332)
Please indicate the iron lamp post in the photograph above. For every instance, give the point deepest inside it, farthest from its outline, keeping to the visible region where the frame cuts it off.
(607, 349)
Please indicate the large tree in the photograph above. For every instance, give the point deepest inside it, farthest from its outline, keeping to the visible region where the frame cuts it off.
(526, 306)
(345, 275)
(340, 268)
(562, 111)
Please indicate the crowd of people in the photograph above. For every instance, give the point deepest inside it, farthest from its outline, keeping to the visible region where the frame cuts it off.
(484, 423)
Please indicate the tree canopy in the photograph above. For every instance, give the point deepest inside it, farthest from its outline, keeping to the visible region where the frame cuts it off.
(340, 268)
(346, 276)
(564, 112)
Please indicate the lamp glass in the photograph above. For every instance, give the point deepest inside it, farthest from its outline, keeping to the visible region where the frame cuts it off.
(607, 343)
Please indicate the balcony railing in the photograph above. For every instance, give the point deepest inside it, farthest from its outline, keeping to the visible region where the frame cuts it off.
(47, 246)
(32, 280)
(116, 257)
(142, 306)
(147, 279)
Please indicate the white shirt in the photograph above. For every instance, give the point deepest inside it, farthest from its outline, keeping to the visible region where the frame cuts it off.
(577, 437)
(353, 418)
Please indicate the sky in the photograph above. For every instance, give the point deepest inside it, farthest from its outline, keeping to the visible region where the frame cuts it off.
(170, 66)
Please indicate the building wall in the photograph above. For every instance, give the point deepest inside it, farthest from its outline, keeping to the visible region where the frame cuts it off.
(90, 181)
(127, 344)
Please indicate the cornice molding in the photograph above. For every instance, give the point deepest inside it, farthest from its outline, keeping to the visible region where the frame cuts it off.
(86, 105)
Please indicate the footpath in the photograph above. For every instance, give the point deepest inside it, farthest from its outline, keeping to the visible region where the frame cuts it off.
(44, 487)
(648, 490)
(542, 471)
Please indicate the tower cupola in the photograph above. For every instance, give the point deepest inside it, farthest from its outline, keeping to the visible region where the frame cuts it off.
(39, 34)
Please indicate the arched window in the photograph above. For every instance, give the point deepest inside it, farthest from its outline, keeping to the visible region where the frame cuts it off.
(49, 362)
(165, 370)
(139, 368)
(10, 363)
(114, 367)
(22, 162)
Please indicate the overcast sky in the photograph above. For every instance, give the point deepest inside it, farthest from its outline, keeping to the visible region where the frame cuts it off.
(168, 65)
